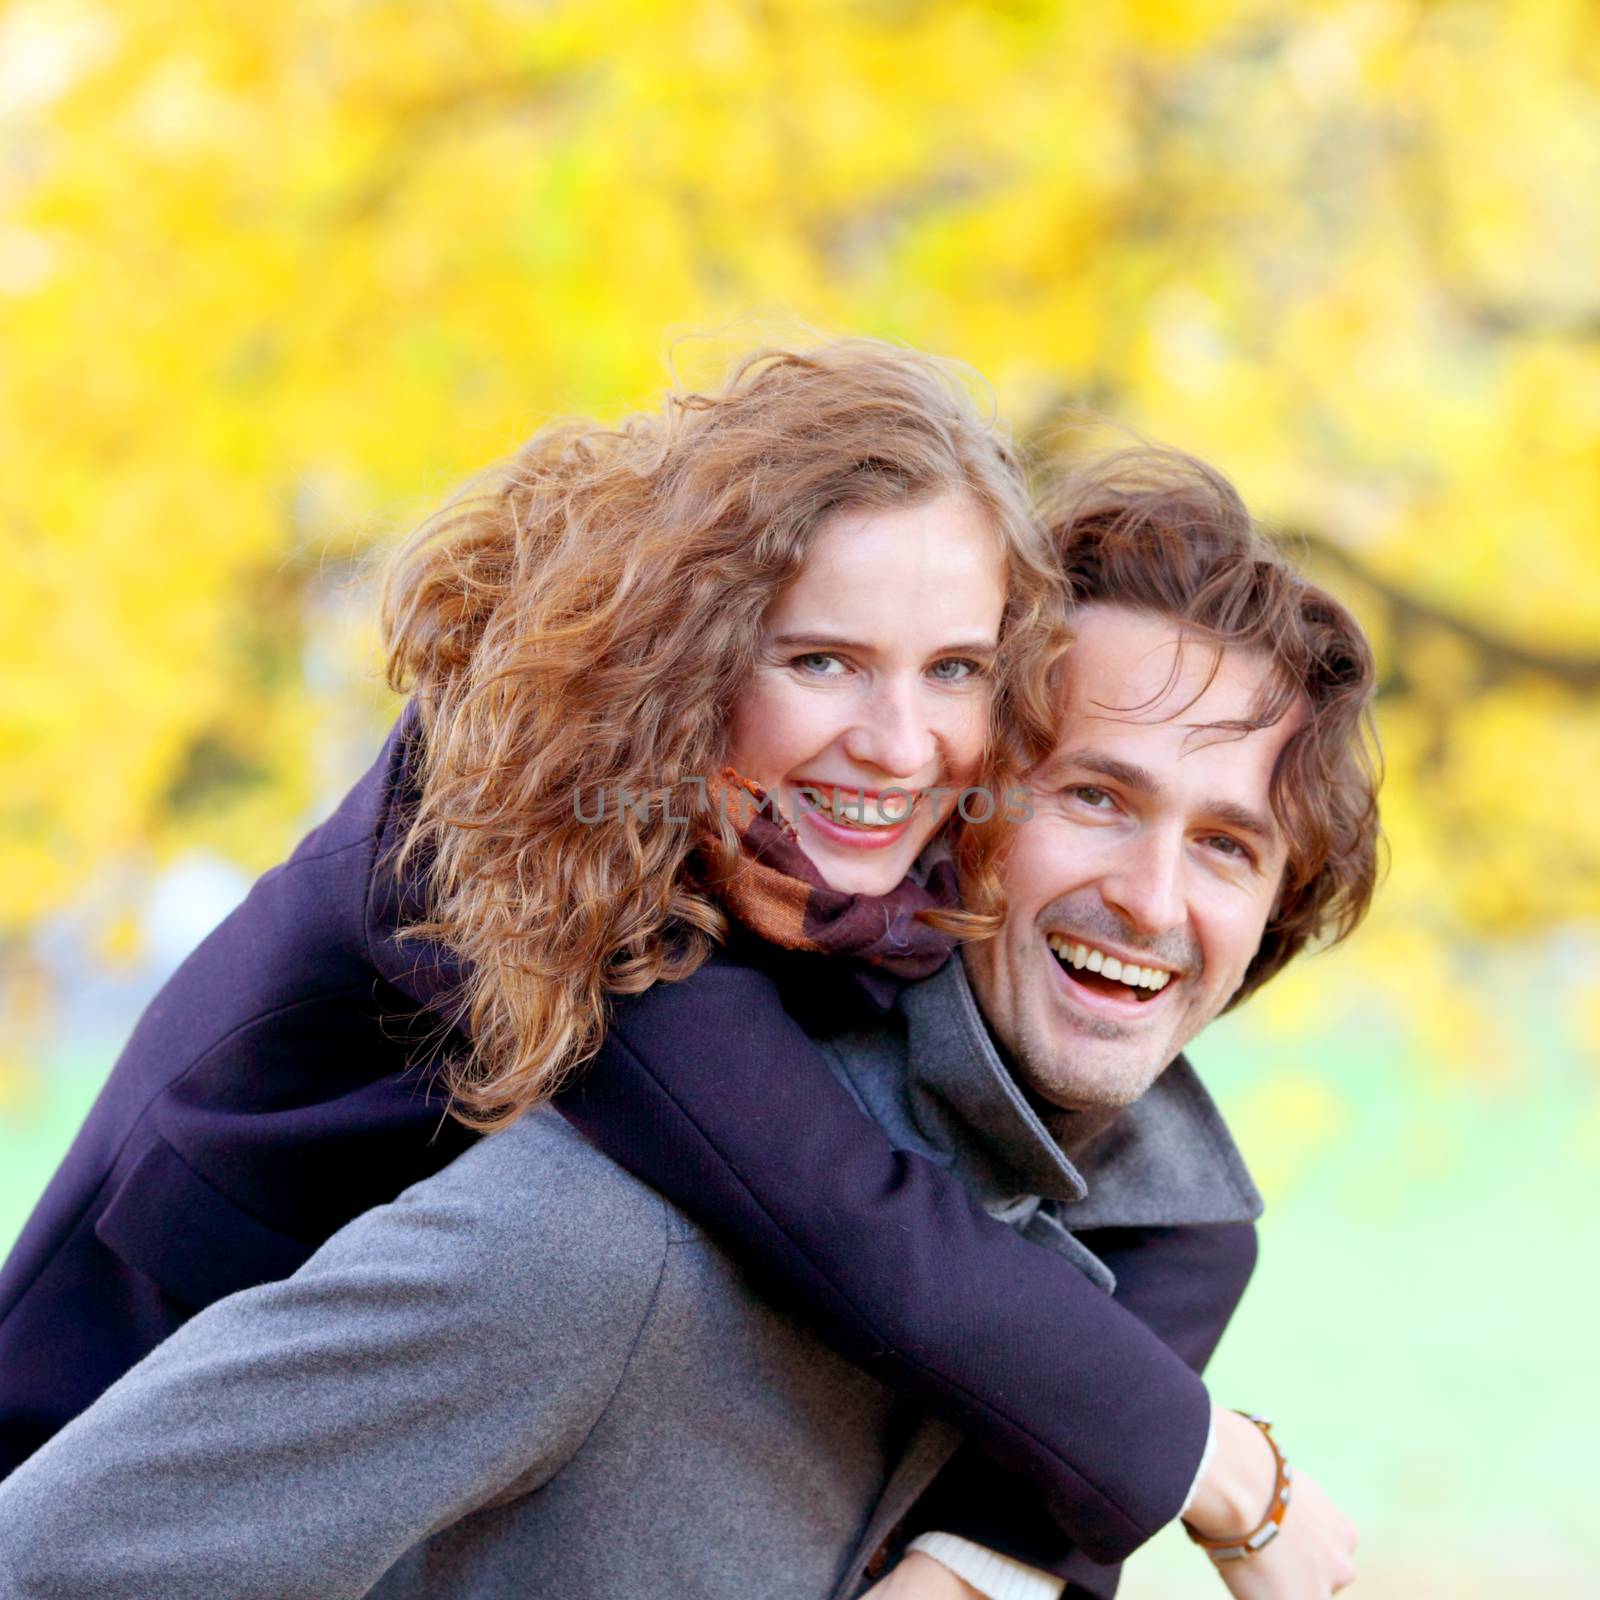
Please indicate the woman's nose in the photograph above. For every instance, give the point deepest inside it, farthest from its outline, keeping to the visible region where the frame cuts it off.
(894, 735)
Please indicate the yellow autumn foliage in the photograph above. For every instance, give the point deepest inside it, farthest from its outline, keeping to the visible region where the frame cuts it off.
(273, 277)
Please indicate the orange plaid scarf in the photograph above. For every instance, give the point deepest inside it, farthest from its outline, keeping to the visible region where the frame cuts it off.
(777, 893)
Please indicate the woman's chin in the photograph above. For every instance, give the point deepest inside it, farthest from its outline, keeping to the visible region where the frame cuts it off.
(861, 871)
(853, 879)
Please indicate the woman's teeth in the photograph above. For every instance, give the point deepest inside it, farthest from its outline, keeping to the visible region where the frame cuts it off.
(1086, 957)
(852, 810)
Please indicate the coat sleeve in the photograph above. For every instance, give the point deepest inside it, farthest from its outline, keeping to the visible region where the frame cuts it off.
(278, 1086)
(1184, 1284)
(295, 1440)
(712, 1094)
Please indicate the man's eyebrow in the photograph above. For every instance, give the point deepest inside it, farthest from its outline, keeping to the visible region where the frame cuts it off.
(1242, 819)
(1142, 781)
(986, 648)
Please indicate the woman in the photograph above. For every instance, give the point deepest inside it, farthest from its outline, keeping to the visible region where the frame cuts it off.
(598, 622)
(619, 613)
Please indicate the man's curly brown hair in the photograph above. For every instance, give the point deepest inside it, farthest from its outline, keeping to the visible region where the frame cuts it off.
(1160, 532)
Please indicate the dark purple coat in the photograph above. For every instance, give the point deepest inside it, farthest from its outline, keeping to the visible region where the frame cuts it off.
(282, 1083)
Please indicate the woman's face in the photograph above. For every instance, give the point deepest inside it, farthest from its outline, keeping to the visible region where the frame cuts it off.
(875, 674)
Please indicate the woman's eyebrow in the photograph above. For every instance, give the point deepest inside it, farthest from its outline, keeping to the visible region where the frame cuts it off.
(834, 641)
(827, 641)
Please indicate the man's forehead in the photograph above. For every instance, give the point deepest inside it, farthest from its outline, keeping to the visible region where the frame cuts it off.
(1138, 668)
(1144, 696)
(1137, 665)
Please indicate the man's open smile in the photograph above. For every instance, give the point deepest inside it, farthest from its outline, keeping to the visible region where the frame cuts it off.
(1094, 962)
(1106, 982)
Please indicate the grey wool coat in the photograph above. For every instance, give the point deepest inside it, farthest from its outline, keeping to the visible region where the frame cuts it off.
(531, 1376)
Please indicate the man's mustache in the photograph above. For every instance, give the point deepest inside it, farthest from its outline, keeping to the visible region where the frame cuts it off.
(1091, 919)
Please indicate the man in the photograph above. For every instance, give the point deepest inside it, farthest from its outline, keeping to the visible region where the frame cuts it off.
(1208, 808)
(1198, 874)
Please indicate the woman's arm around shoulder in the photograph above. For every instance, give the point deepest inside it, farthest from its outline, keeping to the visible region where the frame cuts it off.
(713, 1094)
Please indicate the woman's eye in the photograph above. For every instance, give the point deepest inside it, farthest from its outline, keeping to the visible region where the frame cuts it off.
(819, 663)
(956, 669)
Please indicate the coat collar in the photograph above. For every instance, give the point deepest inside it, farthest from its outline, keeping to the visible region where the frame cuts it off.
(931, 1075)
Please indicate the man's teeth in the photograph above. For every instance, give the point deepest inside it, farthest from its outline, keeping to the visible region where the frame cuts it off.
(1086, 956)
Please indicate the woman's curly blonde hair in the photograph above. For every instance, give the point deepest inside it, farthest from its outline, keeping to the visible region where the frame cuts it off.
(580, 618)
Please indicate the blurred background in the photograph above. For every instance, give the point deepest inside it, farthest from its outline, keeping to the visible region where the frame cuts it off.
(273, 278)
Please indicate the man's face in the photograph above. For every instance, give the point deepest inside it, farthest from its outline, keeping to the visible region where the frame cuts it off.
(1152, 847)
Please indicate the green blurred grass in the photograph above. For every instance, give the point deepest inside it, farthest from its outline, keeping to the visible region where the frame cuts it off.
(1421, 1323)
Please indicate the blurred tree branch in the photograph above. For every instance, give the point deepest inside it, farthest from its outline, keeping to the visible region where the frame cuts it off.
(1406, 612)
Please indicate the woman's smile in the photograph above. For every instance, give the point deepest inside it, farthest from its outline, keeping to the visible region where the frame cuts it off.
(850, 819)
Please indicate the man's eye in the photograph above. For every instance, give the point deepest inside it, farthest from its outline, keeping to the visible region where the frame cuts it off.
(957, 669)
(819, 663)
(1226, 844)
(1098, 799)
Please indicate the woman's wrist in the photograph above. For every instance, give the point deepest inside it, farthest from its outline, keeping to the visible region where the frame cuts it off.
(1239, 1481)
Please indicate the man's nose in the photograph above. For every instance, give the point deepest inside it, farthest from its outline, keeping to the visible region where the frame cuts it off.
(1145, 884)
(895, 735)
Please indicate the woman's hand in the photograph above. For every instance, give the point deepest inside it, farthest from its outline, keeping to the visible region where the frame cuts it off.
(920, 1577)
(1313, 1555)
